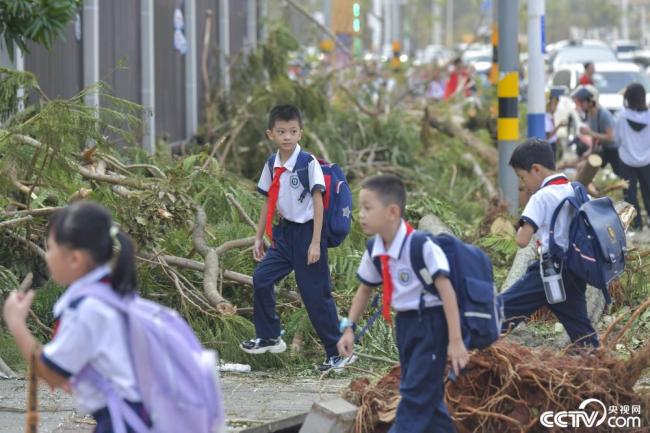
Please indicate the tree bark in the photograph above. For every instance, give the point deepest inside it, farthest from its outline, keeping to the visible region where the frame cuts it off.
(589, 169)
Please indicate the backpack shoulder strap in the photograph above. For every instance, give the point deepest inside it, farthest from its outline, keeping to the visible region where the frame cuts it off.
(302, 170)
(270, 162)
(576, 200)
(418, 239)
(375, 261)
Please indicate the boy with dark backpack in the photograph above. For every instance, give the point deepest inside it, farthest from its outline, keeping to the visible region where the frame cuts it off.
(314, 204)
(428, 325)
(580, 241)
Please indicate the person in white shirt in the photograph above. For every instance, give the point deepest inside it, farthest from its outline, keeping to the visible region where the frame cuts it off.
(425, 336)
(549, 122)
(534, 163)
(81, 251)
(632, 132)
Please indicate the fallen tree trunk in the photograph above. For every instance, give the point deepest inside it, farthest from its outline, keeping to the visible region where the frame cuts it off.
(447, 126)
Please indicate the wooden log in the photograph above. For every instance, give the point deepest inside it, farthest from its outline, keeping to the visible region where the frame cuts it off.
(588, 170)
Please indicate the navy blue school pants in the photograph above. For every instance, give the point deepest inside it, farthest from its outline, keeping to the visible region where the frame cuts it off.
(289, 252)
(422, 341)
(527, 296)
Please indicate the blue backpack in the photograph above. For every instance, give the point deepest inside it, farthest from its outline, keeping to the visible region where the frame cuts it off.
(597, 244)
(481, 311)
(337, 200)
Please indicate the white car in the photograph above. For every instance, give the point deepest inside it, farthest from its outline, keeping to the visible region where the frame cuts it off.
(610, 79)
(587, 51)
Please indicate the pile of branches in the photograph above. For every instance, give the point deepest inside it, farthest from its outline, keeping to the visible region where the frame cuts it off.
(506, 387)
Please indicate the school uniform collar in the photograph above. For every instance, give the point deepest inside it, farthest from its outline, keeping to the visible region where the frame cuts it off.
(553, 177)
(395, 249)
(75, 288)
(291, 162)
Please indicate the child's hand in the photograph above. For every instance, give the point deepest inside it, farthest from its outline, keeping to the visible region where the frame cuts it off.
(563, 124)
(258, 249)
(313, 254)
(17, 307)
(346, 343)
(457, 355)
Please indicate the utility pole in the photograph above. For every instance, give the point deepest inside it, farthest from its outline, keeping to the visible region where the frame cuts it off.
(494, 72)
(436, 22)
(450, 24)
(91, 50)
(388, 23)
(148, 78)
(536, 103)
(508, 94)
(224, 43)
(251, 25)
(191, 76)
(625, 27)
(397, 21)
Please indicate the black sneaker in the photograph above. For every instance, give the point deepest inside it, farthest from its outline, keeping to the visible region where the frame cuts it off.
(337, 363)
(263, 345)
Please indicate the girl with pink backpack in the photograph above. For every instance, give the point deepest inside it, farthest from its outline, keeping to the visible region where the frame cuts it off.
(134, 365)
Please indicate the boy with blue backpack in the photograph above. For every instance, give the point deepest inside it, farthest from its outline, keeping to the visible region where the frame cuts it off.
(580, 241)
(314, 205)
(418, 283)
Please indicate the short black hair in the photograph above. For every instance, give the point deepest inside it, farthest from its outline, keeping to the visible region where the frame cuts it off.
(389, 188)
(587, 64)
(635, 97)
(284, 112)
(532, 151)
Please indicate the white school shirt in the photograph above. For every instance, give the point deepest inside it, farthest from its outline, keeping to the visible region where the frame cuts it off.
(407, 288)
(91, 332)
(539, 211)
(289, 205)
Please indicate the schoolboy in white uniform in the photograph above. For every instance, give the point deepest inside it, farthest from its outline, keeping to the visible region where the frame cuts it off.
(297, 244)
(425, 336)
(534, 163)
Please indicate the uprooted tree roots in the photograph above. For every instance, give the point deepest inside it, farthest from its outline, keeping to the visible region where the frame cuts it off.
(506, 387)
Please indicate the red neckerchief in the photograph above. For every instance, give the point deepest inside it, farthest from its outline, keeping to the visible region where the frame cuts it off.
(274, 192)
(57, 321)
(560, 180)
(387, 282)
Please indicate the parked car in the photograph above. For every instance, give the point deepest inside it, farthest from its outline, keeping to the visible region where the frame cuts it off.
(610, 79)
(625, 50)
(581, 52)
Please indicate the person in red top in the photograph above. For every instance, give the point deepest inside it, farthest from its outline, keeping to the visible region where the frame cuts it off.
(458, 80)
(588, 76)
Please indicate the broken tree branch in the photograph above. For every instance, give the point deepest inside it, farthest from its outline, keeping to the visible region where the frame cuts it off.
(15, 221)
(211, 267)
(478, 172)
(322, 28)
(447, 126)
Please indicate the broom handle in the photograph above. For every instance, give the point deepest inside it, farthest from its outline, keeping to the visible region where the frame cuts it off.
(31, 419)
